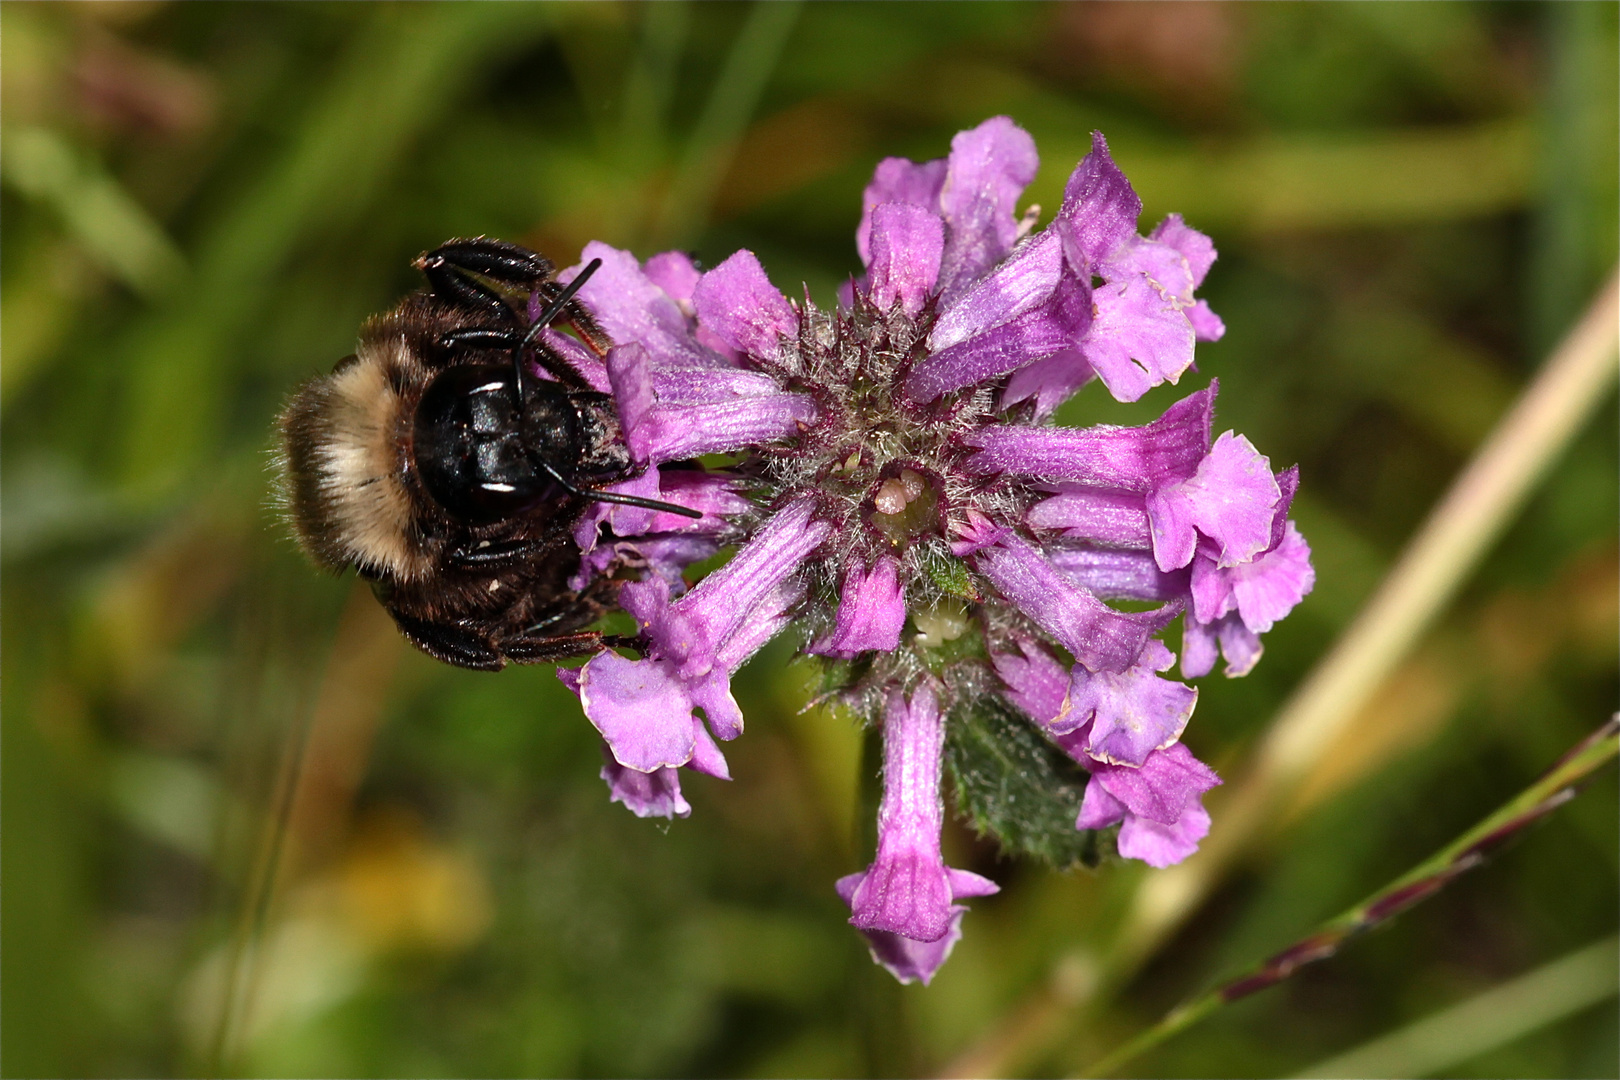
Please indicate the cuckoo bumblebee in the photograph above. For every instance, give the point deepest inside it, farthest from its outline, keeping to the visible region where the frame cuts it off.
(442, 463)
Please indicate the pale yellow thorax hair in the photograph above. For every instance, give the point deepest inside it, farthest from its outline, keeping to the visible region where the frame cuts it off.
(359, 459)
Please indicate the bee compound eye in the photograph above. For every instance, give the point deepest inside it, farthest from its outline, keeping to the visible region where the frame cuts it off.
(469, 446)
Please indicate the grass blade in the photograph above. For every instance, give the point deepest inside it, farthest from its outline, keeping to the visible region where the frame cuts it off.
(1495, 1018)
(731, 104)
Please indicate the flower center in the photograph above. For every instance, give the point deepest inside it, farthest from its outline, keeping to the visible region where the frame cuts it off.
(879, 458)
(905, 506)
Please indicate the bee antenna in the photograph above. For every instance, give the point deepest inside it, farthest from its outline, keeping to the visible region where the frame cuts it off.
(552, 310)
(555, 308)
(646, 504)
(615, 497)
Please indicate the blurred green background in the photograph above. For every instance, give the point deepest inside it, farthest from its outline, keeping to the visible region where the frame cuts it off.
(247, 829)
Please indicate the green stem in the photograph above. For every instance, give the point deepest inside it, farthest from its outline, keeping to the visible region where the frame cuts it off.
(1556, 787)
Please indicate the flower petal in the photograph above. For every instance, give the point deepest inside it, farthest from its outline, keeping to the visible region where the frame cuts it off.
(905, 890)
(1049, 382)
(1123, 458)
(1162, 789)
(678, 432)
(1158, 806)
(724, 602)
(1035, 335)
(738, 303)
(654, 794)
(1207, 326)
(1199, 647)
(1099, 209)
(1268, 588)
(1240, 646)
(1164, 267)
(713, 495)
(1161, 845)
(909, 960)
(1096, 635)
(674, 414)
(629, 374)
(987, 171)
(906, 893)
(1023, 281)
(1131, 713)
(1116, 518)
(1288, 485)
(1231, 498)
(632, 308)
(1117, 575)
(871, 611)
(1099, 809)
(1194, 246)
(898, 180)
(706, 757)
(965, 884)
(1211, 588)
(641, 709)
(1138, 339)
(768, 618)
(907, 243)
(1036, 683)
(675, 273)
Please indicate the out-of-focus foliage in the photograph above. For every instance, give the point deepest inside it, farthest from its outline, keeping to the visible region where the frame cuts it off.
(246, 828)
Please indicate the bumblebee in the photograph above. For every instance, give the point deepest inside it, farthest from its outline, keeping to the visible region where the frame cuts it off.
(439, 463)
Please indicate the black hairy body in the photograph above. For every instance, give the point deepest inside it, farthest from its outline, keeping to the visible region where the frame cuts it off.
(439, 464)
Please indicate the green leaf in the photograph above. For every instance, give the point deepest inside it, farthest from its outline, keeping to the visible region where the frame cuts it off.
(948, 573)
(1014, 785)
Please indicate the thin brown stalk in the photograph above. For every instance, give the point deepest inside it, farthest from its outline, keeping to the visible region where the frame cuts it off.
(1553, 789)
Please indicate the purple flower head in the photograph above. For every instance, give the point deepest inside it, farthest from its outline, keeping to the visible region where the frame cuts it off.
(894, 489)
(1123, 729)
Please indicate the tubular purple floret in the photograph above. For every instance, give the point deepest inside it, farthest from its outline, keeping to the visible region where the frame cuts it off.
(907, 897)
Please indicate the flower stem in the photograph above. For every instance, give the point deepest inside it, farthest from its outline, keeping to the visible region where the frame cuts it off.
(1556, 787)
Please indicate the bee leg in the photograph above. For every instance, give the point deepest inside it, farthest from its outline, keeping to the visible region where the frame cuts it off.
(495, 259)
(454, 286)
(450, 643)
(537, 649)
(449, 269)
(480, 337)
(560, 304)
(492, 555)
